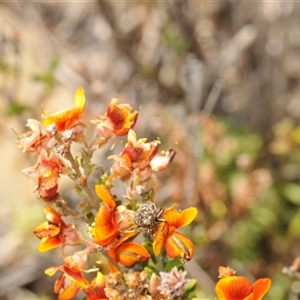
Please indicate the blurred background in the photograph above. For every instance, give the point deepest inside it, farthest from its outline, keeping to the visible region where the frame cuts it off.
(219, 81)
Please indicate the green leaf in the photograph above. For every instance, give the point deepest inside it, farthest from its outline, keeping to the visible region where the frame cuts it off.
(292, 192)
(263, 216)
(150, 270)
(173, 263)
(294, 226)
(79, 191)
(191, 286)
(90, 217)
(190, 290)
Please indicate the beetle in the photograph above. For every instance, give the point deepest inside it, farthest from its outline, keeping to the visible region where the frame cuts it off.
(148, 216)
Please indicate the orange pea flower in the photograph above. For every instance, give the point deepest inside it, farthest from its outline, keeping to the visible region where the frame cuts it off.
(55, 231)
(68, 118)
(231, 287)
(136, 155)
(46, 173)
(71, 280)
(110, 219)
(106, 224)
(127, 253)
(177, 244)
(117, 121)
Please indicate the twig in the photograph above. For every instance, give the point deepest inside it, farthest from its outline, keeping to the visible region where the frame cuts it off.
(79, 175)
(211, 101)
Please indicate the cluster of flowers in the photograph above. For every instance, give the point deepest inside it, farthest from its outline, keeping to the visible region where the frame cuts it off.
(113, 224)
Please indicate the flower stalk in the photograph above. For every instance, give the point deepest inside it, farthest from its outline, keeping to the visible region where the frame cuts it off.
(80, 178)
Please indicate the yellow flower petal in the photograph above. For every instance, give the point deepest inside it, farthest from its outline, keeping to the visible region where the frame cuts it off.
(68, 118)
(187, 216)
(79, 97)
(51, 271)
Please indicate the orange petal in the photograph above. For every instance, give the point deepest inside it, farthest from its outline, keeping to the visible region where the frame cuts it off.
(95, 290)
(233, 288)
(105, 236)
(171, 215)
(125, 237)
(179, 219)
(114, 112)
(105, 195)
(47, 230)
(260, 287)
(112, 267)
(76, 276)
(105, 217)
(130, 253)
(122, 129)
(122, 166)
(143, 153)
(161, 238)
(171, 207)
(69, 292)
(52, 216)
(121, 117)
(68, 117)
(64, 119)
(178, 245)
(130, 154)
(48, 243)
(106, 229)
(187, 216)
(59, 283)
